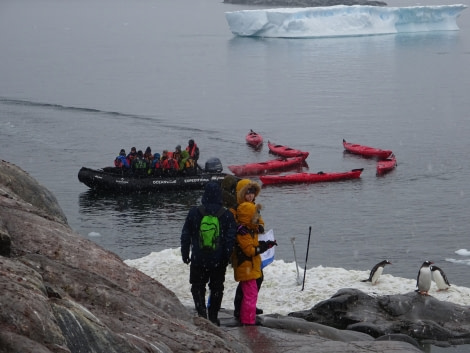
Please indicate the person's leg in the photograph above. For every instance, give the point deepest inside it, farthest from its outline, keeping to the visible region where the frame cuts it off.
(237, 301)
(198, 280)
(259, 281)
(248, 307)
(216, 286)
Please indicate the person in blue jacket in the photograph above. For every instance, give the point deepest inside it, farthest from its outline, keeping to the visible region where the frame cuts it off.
(121, 160)
(208, 266)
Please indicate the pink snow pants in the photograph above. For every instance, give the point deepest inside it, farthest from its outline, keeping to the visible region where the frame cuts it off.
(248, 306)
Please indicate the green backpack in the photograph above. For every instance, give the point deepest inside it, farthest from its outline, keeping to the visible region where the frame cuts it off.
(209, 229)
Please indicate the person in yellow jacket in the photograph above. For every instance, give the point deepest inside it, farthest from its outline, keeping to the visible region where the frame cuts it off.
(247, 260)
(247, 191)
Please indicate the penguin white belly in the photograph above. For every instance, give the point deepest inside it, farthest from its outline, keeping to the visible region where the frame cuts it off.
(440, 282)
(376, 275)
(424, 283)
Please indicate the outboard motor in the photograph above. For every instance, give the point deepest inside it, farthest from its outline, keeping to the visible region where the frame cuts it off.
(213, 165)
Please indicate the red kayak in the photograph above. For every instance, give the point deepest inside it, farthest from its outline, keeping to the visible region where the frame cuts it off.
(254, 139)
(310, 177)
(285, 151)
(366, 150)
(266, 167)
(386, 165)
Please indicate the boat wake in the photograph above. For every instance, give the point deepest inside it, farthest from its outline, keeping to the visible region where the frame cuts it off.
(115, 115)
(341, 20)
(26, 103)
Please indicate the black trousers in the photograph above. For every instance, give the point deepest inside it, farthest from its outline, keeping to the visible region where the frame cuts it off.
(199, 276)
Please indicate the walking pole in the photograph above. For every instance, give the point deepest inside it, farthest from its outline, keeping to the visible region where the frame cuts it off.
(295, 258)
(306, 256)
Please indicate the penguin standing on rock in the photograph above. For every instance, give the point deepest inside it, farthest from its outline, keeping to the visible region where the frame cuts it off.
(376, 272)
(424, 278)
(440, 278)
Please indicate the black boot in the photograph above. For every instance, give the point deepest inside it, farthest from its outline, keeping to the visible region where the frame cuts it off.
(236, 314)
(199, 297)
(216, 301)
(213, 318)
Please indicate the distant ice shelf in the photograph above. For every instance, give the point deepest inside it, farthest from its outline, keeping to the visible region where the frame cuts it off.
(342, 20)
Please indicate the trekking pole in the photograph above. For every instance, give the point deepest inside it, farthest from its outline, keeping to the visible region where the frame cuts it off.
(306, 256)
(295, 258)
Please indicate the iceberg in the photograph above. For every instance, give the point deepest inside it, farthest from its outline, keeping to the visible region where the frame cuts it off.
(342, 20)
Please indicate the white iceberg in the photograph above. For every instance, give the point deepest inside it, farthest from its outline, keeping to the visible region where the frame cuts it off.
(342, 20)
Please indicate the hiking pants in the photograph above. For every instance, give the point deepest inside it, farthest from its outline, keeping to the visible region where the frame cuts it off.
(237, 302)
(248, 307)
(199, 276)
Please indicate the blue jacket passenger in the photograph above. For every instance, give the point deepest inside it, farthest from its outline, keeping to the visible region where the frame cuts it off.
(121, 160)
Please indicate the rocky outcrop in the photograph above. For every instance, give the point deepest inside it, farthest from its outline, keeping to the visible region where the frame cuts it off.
(422, 318)
(305, 3)
(62, 293)
(16, 183)
(282, 334)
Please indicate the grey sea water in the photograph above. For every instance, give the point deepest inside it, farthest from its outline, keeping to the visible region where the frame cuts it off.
(81, 80)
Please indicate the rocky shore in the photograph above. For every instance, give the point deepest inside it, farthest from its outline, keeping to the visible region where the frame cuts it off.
(63, 293)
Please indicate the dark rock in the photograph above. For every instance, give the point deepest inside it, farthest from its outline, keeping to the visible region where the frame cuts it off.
(288, 334)
(368, 328)
(399, 337)
(301, 326)
(422, 318)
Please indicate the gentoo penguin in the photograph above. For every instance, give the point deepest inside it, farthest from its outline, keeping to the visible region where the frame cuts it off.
(424, 278)
(440, 278)
(376, 272)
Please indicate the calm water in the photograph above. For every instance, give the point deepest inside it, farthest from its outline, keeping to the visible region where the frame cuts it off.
(81, 80)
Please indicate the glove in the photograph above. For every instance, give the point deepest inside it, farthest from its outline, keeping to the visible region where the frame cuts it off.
(260, 229)
(186, 259)
(242, 230)
(271, 243)
(262, 247)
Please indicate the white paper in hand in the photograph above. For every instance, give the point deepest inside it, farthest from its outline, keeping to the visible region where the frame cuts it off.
(268, 256)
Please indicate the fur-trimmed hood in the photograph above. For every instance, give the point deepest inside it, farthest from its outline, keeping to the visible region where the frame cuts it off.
(242, 187)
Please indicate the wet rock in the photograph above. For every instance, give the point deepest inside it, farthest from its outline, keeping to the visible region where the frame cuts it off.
(422, 318)
(279, 334)
(399, 337)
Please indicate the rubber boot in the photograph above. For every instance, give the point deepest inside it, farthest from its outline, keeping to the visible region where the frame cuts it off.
(216, 301)
(199, 297)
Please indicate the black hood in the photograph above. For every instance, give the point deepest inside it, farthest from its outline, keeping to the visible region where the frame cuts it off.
(212, 198)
